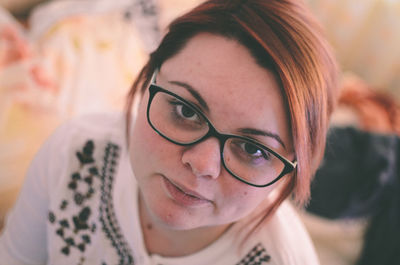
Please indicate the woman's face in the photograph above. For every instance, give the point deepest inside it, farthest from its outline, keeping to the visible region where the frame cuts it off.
(187, 187)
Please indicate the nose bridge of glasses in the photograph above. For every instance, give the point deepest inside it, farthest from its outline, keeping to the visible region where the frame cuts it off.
(213, 133)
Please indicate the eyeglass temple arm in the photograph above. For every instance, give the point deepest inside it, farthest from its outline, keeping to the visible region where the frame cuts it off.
(153, 77)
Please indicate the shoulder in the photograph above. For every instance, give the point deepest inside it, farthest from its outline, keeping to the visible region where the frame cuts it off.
(97, 125)
(78, 142)
(74, 133)
(285, 239)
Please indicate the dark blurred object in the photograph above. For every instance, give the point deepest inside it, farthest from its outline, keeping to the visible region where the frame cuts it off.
(20, 8)
(360, 178)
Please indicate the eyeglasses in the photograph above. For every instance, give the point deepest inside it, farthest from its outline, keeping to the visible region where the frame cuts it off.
(184, 124)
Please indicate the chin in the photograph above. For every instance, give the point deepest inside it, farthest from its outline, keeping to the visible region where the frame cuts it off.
(171, 212)
(174, 217)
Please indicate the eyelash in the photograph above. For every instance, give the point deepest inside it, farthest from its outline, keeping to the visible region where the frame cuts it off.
(264, 155)
(175, 103)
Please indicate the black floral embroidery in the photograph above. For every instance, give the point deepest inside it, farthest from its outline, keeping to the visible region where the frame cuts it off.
(257, 256)
(64, 205)
(76, 230)
(80, 220)
(86, 156)
(52, 217)
(107, 213)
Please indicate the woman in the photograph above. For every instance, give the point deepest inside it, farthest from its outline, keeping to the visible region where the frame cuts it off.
(229, 118)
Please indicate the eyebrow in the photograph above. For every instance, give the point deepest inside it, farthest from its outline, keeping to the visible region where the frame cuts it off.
(193, 92)
(262, 133)
(203, 103)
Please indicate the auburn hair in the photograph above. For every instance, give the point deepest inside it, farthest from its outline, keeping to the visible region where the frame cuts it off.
(284, 38)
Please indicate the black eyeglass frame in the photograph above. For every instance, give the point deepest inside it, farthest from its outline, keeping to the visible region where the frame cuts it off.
(289, 166)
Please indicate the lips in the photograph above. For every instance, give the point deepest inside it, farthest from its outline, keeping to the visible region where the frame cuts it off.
(184, 196)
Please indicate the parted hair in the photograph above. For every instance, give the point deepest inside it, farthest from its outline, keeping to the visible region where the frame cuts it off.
(283, 37)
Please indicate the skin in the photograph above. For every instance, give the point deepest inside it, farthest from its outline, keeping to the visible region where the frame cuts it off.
(239, 94)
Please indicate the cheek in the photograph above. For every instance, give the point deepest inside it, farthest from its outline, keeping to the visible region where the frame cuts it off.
(140, 140)
(147, 149)
(251, 197)
(241, 199)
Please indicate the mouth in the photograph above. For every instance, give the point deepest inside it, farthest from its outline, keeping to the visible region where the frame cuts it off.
(184, 196)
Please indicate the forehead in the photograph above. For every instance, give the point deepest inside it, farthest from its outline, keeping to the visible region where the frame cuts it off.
(238, 91)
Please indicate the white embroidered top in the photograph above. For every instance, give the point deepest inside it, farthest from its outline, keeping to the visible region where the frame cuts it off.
(79, 205)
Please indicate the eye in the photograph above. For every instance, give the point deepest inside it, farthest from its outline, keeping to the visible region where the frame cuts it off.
(186, 112)
(248, 152)
(185, 115)
(252, 149)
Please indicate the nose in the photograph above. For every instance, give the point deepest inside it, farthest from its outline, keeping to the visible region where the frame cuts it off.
(203, 158)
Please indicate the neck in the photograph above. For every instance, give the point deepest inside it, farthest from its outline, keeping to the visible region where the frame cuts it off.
(169, 242)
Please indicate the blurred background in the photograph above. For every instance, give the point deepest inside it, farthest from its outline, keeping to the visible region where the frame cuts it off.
(64, 58)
